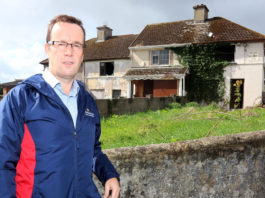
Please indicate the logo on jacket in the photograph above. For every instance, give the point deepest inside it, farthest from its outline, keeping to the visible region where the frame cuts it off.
(88, 113)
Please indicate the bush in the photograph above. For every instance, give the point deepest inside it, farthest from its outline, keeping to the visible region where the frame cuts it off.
(192, 104)
(174, 105)
(213, 106)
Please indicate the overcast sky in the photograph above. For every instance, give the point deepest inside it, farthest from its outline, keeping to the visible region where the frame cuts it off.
(23, 23)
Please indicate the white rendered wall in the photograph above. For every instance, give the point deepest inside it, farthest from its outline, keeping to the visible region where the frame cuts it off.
(249, 59)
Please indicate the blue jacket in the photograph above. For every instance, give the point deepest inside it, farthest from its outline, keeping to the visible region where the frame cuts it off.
(42, 154)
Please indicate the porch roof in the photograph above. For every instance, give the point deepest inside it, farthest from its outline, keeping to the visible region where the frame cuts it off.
(156, 73)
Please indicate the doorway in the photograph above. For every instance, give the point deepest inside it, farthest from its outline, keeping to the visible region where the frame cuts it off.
(237, 93)
(148, 87)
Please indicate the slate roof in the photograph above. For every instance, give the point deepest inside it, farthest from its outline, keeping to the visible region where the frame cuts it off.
(115, 47)
(215, 29)
(144, 73)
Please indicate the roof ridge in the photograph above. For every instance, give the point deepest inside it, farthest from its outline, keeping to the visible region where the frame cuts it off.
(168, 22)
(122, 35)
(187, 20)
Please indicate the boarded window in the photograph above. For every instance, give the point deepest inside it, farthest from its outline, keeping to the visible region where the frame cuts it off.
(116, 94)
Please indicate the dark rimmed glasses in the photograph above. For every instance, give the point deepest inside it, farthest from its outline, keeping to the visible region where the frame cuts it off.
(62, 45)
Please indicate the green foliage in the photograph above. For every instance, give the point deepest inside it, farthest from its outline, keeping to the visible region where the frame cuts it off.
(205, 81)
(192, 104)
(174, 105)
(177, 124)
(238, 94)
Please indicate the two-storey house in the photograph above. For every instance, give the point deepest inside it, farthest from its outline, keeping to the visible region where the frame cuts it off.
(155, 68)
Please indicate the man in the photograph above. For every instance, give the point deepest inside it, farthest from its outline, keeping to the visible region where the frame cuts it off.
(50, 127)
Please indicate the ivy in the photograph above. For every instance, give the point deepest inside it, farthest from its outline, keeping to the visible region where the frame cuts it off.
(206, 63)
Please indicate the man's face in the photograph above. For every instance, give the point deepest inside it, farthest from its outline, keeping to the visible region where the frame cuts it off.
(64, 63)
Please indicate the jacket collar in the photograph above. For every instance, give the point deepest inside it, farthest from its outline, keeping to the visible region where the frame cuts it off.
(37, 81)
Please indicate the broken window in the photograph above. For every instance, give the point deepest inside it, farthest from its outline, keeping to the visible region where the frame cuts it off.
(160, 57)
(106, 68)
(226, 52)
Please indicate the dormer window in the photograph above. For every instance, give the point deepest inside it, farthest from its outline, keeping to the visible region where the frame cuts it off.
(160, 57)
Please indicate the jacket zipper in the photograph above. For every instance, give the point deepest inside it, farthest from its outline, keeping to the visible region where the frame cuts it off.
(76, 146)
(75, 163)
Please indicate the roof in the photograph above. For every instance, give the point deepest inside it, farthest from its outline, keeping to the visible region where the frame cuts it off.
(115, 47)
(12, 83)
(156, 72)
(215, 29)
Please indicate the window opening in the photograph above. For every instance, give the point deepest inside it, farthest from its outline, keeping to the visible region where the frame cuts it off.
(106, 68)
(116, 94)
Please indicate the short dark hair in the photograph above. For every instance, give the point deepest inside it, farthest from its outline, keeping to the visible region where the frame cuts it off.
(66, 19)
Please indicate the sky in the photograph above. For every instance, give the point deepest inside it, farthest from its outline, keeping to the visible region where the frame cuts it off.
(23, 23)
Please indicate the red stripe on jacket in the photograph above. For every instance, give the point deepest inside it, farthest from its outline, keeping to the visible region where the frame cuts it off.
(25, 167)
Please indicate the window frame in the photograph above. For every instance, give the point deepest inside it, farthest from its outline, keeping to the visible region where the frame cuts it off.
(159, 55)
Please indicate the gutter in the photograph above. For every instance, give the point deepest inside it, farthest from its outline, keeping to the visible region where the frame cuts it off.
(159, 46)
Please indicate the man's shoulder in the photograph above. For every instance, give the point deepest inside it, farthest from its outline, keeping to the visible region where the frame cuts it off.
(27, 86)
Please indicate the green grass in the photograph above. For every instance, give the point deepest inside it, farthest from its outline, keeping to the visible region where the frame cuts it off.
(178, 123)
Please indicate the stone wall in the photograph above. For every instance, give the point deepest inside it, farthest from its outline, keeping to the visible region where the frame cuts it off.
(226, 166)
(132, 105)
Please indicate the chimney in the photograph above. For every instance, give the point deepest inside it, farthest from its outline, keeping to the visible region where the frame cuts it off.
(104, 32)
(200, 13)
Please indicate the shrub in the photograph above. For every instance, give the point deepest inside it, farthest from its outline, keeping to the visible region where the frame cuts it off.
(192, 104)
(213, 106)
(174, 105)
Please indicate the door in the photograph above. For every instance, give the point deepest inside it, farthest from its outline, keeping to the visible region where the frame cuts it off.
(148, 87)
(237, 93)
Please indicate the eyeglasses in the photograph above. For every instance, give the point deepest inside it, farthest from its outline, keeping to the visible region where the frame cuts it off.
(62, 45)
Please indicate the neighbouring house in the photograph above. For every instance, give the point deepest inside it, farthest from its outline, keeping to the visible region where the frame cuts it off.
(9, 85)
(144, 65)
(155, 68)
(106, 60)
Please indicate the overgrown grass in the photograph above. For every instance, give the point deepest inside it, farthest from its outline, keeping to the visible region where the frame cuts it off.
(178, 123)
